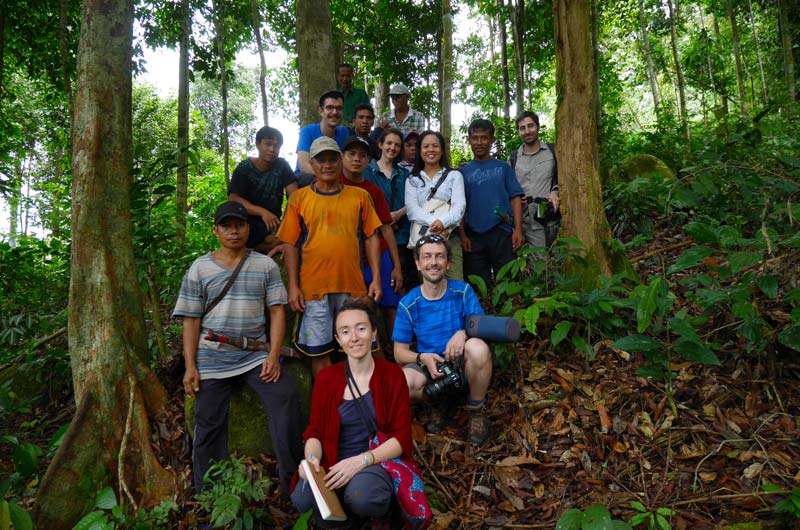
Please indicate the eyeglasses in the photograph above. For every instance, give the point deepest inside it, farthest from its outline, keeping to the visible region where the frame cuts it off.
(430, 238)
(334, 108)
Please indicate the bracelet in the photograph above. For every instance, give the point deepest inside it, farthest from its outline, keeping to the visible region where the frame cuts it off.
(372, 455)
(366, 458)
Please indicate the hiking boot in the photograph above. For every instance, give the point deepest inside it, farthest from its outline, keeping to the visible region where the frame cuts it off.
(478, 426)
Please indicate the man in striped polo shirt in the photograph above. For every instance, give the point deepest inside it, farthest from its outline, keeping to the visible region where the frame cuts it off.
(215, 370)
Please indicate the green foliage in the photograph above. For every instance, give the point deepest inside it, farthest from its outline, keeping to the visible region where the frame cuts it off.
(110, 515)
(656, 519)
(232, 496)
(790, 505)
(594, 517)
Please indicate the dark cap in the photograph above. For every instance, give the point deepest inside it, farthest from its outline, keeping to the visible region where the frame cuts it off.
(355, 141)
(409, 134)
(230, 209)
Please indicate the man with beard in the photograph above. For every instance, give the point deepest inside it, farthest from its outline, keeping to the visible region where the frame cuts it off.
(537, 172)
(434, 314)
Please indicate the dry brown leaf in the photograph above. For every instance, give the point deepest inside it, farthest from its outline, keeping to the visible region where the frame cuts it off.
(753, 471)
(517, 461)
(537, 372)
(708, 476)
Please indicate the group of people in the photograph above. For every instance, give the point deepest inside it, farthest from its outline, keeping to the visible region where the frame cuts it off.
(359, 229)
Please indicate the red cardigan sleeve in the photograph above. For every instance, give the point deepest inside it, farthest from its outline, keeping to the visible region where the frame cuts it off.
(392, 405)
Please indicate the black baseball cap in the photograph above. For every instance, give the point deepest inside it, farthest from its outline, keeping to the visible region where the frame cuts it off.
(354, 140)
(230, 209)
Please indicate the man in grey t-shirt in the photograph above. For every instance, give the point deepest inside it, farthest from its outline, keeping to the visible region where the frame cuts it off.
(537, 172)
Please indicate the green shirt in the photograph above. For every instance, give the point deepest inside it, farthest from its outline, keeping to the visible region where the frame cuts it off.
(356, 96)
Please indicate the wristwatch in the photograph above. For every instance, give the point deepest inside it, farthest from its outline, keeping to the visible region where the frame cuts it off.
(419, 359)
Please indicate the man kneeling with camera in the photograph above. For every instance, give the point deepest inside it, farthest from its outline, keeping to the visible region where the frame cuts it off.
(447, 362)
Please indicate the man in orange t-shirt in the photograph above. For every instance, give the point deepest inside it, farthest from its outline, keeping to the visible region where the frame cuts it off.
(323, 228)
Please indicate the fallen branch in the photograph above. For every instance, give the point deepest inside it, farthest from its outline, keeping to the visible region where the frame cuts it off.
(728, 496)
(658, 251)
(430, 473)
(123, 446)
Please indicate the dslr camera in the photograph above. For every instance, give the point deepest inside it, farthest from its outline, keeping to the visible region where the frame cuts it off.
(453, 379)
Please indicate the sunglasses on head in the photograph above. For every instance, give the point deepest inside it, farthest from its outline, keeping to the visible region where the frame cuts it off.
(430, 238)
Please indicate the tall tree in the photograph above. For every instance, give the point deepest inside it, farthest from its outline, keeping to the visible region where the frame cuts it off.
(108, 440)
(651, 71)
(314, 52)
(182, 177)
(501, 25)
(681, 81)
(518, 31)
(758, 52)
(787, 48)
(737, 56)
(446, 99)
(576, 147)
(219, 39)
(262, 72)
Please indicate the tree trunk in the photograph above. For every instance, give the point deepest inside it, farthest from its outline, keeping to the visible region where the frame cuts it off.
(786, 47)
(108, 442)
(219, 38)
(673, 24)
(718, 36)
(578, 163)
(518, 31)
(501, 25)
(737, 56)
(62, 42)
(447, 72)
(381, 96)
(262, 73)
(182, 177)
(651, 71)
(596, 73)
(314, 52)
(3, 8)
(758, 53)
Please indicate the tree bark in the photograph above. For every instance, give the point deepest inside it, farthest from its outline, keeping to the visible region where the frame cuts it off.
(63, 48)
(381, 96)
(262, 73)
(501, 25)
(578, 162)
(182, 176)
(106, 323)
(314, 53)
(737, 56)
(596, 72)
(447, 72)
(718, 36)
(786, 48)
(219, 38)
(758, 53)
(651, 71)
(673, 24)
(518, 32)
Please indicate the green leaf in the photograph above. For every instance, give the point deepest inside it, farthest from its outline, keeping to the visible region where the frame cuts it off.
(662, 522)
(478, 283)
(302, 521)
(647, 305)
(20, 518)
(639, 506)
(768, 285)
(690, 258)
(791, 337)
(560, 332)
(531, 317)
(226, 508)
(770, 488)
(641, 343)
(789, 161)
(743, 260)
(694, 351)
(58, 436)
(639, 518)
(701, 232)
(620, 525)
(106, 499)
(683, 328)
(596, 517)
(665, 512)
(570, 520)
(90, 520)
(5, 515)
(26, 459)
(583, 346)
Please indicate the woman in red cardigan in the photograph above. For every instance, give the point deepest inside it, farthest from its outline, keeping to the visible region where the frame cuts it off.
(337, 437)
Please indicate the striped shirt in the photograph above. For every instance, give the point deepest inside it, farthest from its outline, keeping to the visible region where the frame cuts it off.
(239, 314)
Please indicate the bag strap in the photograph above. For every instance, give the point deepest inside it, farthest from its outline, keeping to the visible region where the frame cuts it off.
(439, 182)
(228, 285)
(370, 422)
(554, 183)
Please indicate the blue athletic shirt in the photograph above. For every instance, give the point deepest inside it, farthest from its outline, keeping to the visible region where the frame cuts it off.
(489, 184)
(434, 322)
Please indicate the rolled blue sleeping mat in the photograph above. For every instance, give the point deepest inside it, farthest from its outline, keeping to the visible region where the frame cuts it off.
(492, 328)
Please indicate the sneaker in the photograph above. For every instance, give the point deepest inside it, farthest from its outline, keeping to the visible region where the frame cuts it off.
(478, 426)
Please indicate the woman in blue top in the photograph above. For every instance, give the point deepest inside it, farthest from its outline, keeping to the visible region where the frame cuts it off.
(391, 179)
(432, 162)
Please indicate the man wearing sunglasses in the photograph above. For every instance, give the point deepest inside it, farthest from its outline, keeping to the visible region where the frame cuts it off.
(434, 315)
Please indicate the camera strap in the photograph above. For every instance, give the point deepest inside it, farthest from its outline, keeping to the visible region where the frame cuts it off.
(370, 422)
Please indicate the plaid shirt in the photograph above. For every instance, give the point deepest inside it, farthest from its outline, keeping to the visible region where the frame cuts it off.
(415, 121)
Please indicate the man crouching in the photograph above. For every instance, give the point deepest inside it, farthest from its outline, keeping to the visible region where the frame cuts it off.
(434, 314)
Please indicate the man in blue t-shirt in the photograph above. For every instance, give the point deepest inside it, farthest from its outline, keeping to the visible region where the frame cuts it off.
(491, 231)
(331, 109)
(434, 314)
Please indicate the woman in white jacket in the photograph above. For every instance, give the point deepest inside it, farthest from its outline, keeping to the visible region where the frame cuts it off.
(442, 211)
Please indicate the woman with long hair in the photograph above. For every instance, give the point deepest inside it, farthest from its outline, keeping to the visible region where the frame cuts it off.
(433, 182)
(360, 428)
